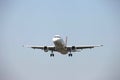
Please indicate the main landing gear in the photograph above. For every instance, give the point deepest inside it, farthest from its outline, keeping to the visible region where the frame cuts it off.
(51, 55)
(70, 55)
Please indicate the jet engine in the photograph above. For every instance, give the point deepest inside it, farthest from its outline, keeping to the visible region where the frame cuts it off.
(73, 48)
(45, 49)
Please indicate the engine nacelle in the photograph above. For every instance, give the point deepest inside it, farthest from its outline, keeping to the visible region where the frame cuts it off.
(45, 48)
(73, 48)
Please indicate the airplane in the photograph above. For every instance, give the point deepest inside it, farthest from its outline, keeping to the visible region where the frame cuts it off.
(61, 46)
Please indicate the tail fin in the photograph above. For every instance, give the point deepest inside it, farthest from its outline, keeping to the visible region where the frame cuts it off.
(66, 41)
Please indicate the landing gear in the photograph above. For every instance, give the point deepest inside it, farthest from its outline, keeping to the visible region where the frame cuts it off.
(70, 55)
(52, 55)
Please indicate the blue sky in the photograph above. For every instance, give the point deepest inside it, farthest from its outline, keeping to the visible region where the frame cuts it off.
(35, 22)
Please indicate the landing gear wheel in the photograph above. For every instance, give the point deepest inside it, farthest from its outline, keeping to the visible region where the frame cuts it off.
(51, 55)
(70, 55)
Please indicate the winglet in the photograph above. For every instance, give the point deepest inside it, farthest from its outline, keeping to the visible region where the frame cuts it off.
(100, 46)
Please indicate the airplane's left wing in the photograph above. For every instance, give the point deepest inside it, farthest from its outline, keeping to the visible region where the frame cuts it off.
(87, 47)
(75, 48)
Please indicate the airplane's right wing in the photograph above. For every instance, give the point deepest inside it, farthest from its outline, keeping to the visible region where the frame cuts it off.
(75, 48)
(45, 48)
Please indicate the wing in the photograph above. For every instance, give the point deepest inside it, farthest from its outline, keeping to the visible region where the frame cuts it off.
(75, 48)
(87, 47)
(50, 48)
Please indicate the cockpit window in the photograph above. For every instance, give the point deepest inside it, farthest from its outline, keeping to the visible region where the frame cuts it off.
(57, 36)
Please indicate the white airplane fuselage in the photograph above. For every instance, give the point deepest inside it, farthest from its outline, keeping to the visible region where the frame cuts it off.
(60, 45)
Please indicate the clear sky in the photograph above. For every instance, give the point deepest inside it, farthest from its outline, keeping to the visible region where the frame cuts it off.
(35, 22)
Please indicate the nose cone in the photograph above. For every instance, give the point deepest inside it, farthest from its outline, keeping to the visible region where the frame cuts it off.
(55, 39)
